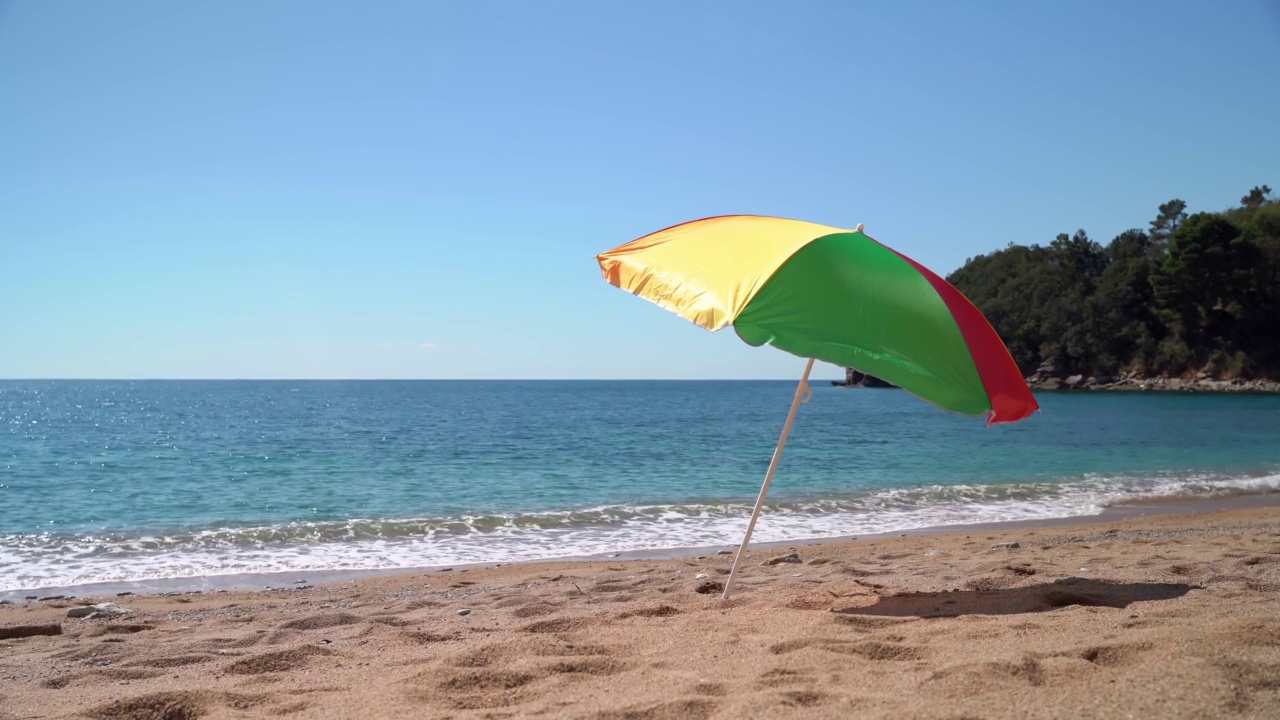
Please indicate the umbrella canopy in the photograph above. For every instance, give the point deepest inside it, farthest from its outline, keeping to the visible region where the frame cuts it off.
(827, 294)
(830, 294)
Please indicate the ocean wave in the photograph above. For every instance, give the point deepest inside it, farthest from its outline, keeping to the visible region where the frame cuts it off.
(68, 559)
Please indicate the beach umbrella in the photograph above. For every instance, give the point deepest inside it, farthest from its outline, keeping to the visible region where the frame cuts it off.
(828, 294)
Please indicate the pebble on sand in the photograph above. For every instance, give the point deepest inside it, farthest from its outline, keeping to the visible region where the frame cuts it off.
(464, 611)
(96, 611)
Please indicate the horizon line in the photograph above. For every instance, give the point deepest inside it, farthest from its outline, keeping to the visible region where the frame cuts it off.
(391, 379)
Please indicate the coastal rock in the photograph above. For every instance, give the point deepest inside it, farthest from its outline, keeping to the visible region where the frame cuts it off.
(1006, 546)
(101, 610)
(724, 552)
(854, 378)
(1074, 381)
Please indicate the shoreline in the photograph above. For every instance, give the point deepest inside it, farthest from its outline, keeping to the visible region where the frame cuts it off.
(288, 580)
(1163, 610)
(1136, 384)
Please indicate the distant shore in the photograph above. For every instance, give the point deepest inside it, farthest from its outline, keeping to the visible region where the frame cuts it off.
(1136, 383)
(1128, 382)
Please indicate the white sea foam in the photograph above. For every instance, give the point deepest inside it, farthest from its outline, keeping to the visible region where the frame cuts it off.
(62, 560)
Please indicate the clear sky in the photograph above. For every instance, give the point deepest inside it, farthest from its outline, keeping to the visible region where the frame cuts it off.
(418, 189)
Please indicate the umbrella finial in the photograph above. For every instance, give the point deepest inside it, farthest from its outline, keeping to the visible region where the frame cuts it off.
(859, 228)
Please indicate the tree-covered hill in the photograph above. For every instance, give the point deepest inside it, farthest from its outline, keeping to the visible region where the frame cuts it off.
(1189, 294)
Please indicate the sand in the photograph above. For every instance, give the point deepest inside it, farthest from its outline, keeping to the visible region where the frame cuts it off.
(1175, 616)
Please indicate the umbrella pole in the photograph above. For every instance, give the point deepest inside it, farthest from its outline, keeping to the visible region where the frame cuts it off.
(803, 393)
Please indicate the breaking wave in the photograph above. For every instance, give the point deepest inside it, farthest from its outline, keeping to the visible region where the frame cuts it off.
(69, 559)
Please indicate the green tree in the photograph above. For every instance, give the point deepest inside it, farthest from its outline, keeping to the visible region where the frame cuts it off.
(1012, 287)
(1078, 264)
(1199, 292)
(1256, 198)
(1207, 283)
(1171, 216)
(1121, 310)
(1261, 228)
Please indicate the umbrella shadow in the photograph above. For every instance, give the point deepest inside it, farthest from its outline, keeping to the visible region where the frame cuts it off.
(1026, 599)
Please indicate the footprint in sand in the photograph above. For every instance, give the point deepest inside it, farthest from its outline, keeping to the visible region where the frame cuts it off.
(557, 625)
(804, 698)
(869, 623)
(609, 586)
(478, 657)
(121, 629)
(188, 705)
(1254, 633)
(1251, 675)
(1115, 655)
(320, 622)
(867, 649)
(710, 689)
(536, 609)
(588, 666)
(230, 642)
(277, 661)
(426, 637)
(390, 620)
(472, 689)
(163, 705)
(690, 709)
(783, 677)
(412, 605)
(650, 612)
(959, 680)
(103, 675)
(172, 661)
(815, 602)
(93, 654)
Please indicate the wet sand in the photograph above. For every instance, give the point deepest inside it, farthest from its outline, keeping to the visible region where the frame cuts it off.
(1146, 615)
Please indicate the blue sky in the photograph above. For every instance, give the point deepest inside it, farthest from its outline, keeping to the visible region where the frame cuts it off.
(418, 189)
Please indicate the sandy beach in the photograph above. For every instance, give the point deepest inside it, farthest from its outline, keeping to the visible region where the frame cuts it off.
(1171, 616)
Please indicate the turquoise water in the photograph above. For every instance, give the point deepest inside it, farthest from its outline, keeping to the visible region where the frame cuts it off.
(139, 480)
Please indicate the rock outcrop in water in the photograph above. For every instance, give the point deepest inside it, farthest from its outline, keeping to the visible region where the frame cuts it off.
(853, 378)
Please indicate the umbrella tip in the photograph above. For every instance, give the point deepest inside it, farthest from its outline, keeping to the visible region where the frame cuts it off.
(859, 228)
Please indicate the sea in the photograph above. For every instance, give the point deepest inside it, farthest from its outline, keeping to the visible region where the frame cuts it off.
(124, 481)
